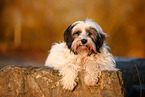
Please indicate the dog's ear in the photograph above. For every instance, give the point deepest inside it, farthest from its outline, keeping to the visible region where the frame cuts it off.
(68, 37)
(100, 40)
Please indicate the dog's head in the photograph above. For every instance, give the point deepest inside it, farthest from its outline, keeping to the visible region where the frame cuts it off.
(84, 37)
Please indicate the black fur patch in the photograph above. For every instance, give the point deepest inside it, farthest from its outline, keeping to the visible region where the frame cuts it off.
(68, 37)
(99, 41)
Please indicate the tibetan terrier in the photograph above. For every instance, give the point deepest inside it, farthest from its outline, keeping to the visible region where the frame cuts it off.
(84, 49)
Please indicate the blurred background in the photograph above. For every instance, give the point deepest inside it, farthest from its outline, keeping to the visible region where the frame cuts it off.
(28, 28)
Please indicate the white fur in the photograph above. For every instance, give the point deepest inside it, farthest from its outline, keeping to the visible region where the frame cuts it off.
(68, 64)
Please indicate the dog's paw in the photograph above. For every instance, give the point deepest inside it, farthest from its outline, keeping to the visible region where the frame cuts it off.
(92, 78)
(69, 85)
(92, 74)
(90, 81)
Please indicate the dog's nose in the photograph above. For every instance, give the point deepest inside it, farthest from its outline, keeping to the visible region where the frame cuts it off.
(84, 41)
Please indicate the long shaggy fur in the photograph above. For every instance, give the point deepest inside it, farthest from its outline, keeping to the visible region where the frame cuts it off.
(62, 57)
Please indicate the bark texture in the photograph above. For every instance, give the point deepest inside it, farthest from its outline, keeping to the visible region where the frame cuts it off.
(30, 81)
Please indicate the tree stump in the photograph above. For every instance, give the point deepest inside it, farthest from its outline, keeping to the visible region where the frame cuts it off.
(30, 81)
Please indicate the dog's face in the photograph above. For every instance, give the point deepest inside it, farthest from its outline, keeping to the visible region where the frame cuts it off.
(84, 37)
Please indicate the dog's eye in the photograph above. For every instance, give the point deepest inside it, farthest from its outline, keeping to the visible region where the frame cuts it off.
(89, 34)
(77, 33)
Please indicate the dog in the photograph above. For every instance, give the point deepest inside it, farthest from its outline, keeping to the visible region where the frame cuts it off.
(84, 48)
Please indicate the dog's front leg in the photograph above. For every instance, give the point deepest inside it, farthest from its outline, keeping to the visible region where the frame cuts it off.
(69, 74)
(92, 74)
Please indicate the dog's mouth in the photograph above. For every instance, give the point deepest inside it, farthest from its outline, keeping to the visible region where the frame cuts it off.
(83, 49)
